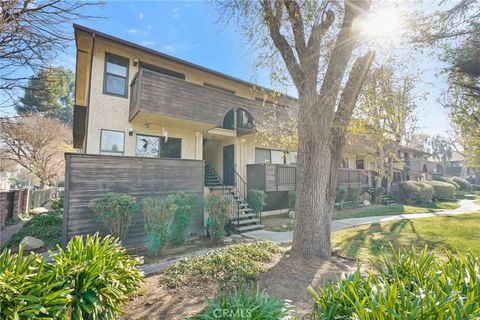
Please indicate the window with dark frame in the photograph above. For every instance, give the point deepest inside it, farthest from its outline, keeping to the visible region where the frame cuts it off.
(112, 141)
(360, 164)
(270, 156)
(115, 75)
(155, 146)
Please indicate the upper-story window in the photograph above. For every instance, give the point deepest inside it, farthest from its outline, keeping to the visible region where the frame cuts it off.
(116, 75)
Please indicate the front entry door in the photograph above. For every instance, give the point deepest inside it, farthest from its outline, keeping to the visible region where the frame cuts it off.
(228, 165)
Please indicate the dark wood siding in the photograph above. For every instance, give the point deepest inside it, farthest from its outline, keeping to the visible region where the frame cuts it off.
(168, 96)
(89, 177)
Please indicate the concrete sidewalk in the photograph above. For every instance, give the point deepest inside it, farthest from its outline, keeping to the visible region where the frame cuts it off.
(466, 206)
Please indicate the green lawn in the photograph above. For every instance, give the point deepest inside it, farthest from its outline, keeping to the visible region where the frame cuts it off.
(439, 233)
(392, 209)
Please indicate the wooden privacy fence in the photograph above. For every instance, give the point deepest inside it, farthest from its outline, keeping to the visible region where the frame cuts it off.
(39, 198)
(88, 177)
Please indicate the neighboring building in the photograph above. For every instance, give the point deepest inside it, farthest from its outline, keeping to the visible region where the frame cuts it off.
(458, 167)
(134, 101)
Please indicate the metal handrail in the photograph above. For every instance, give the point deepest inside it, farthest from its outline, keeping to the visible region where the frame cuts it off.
(245, 191)
(225, 190)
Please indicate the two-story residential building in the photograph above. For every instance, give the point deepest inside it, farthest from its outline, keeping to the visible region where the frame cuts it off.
(132, 101)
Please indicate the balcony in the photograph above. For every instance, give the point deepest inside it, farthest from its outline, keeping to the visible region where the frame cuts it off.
(271, 177)
(349, 178)
(157, 94)
(282, 177)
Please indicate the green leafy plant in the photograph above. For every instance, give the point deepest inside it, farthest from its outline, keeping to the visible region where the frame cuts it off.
(99, 275)
(416, 192)
(158, 219)
(353, 196)
(116, 212)
(442, 190)
(462, 183)
(245, 303)
(341, 196)
(46, 227)
(57, 204)
(28, 290)
(235, 264)
(257, 199)
(217, 207)
(185, 206)
(292, 199)
(405, 285)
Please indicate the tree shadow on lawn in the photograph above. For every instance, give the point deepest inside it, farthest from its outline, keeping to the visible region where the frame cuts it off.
(376, 238)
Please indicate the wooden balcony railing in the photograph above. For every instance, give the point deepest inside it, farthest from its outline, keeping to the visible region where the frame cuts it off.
(282, 177)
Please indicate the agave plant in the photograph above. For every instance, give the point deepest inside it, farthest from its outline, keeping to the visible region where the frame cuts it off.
(406, 285)
(99, 274)
(28, 290)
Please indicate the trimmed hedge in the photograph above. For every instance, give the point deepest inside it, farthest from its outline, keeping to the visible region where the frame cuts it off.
(442, 190)
(464, 184)
(447, 180)
(416, 192)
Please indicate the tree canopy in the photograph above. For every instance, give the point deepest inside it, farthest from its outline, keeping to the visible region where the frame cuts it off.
(50, 93)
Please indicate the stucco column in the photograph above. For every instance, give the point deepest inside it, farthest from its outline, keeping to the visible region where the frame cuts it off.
(239, 158)
(198, 145)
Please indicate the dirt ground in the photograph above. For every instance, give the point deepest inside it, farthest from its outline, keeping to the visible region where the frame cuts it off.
(286, 278)
(277, 223)
(290, 277)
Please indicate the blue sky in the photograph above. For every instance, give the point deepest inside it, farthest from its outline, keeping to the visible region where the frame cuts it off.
(189, 30)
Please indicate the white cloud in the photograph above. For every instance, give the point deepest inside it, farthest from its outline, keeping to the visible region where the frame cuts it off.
(132, 31)
(140, 16)
(175, 13)
(147, 43)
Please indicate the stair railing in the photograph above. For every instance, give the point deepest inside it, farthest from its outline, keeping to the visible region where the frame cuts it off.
(211, 176)
(246, 192)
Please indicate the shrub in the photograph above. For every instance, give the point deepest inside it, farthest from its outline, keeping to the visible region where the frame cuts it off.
(57, 204)
(405, 285)
(158, 219)
(185, 206)
(257, 199)
(235, 264)
(116, 212)
(28, 291)
(353, 195)
(416, 192)
(245, 304)
(46, 227)
(340, 196)
(218, 210)
(292, 199)
(99, 273)
(464, 184)
(476, 187)
(447, 180)
(442, 190)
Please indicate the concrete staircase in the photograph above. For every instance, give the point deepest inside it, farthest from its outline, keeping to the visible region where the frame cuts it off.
(241, 216)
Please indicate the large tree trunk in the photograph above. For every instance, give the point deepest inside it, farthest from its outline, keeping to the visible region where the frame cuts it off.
(381, 171)
(390, 175)
(317, 171)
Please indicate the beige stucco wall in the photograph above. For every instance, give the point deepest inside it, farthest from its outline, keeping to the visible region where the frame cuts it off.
(112, 112)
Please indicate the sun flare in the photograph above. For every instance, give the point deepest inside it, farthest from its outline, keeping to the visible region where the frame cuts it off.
(383, 24)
